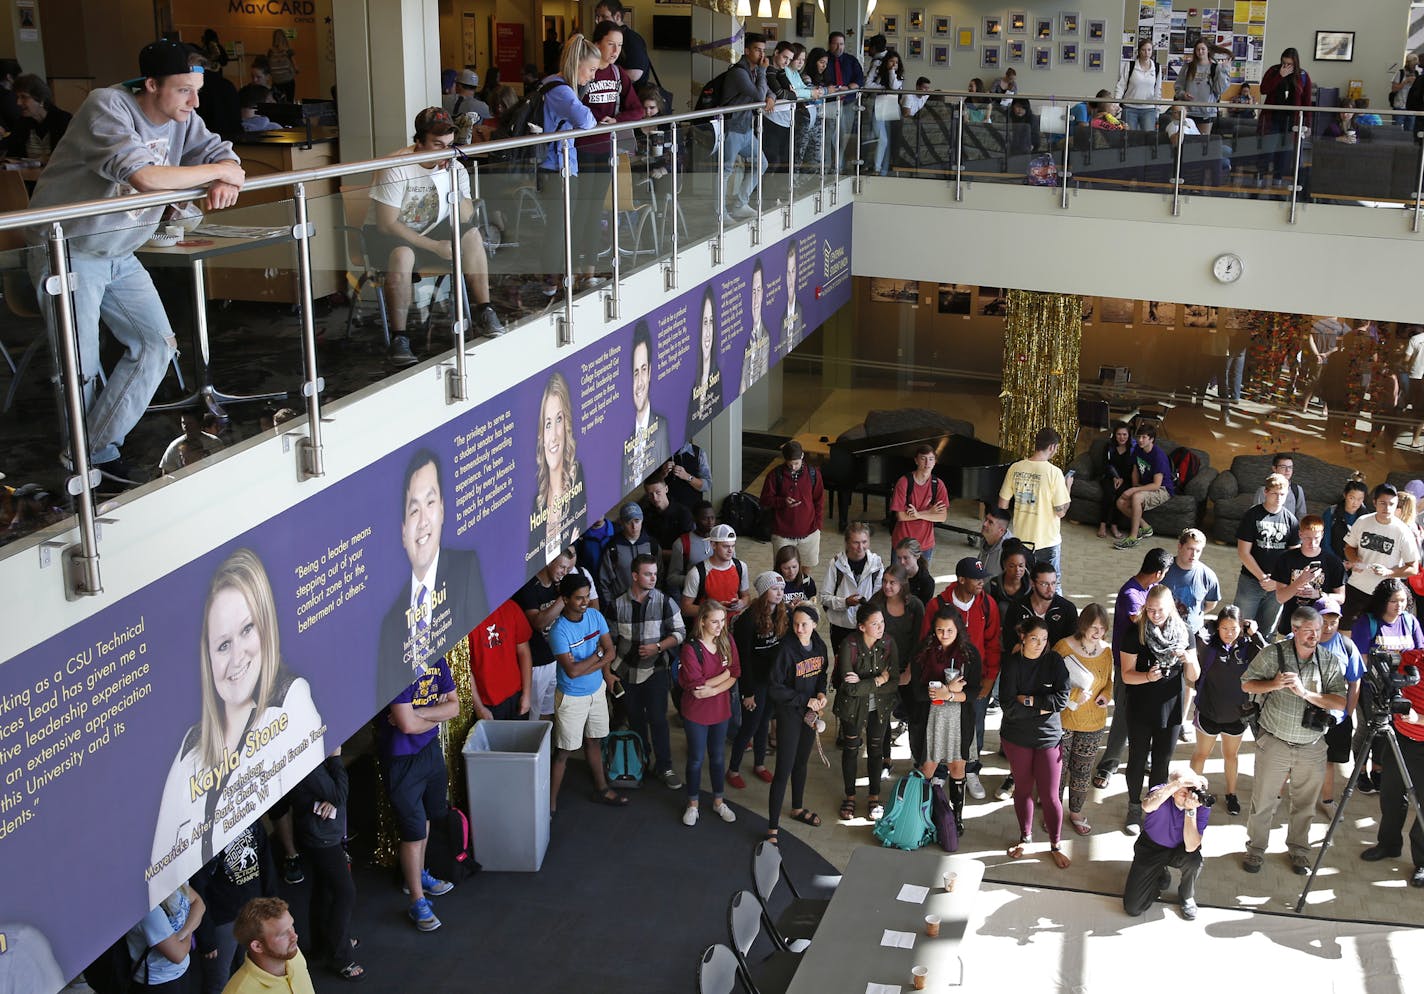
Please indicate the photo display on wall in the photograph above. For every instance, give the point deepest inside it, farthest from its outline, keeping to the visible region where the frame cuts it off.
(1174, 31)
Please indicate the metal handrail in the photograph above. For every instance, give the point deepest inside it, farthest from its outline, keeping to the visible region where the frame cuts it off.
(1055, 99)
(138, 201)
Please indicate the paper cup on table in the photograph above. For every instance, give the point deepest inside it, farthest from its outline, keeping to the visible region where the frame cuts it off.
(921, 976)
(932, 926)
(950, 879)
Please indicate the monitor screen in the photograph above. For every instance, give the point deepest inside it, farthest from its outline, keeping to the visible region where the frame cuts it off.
(672, 32)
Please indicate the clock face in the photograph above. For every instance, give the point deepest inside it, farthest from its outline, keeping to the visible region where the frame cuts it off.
(1227, 268)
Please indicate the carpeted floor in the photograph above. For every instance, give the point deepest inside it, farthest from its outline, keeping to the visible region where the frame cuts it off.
(627, 900)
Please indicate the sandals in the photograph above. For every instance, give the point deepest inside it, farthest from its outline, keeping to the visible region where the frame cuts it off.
(1100, 780)
(808, 817)
(610, 797)
(1016, 851)
(773, 836)
(1080, 825)
(352, 972)
(877, 810)
(848, 809)
(1060, 858)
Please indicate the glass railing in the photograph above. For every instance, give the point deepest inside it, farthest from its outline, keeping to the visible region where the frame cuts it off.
(1329, 155)
(322, 283)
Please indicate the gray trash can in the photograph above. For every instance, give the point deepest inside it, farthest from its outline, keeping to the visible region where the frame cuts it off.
(507, 779)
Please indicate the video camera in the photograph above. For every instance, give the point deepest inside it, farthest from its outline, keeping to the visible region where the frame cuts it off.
(1384, 683)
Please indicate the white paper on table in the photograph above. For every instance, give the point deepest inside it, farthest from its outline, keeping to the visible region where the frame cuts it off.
(911, 894)
(882, 989)
(898, 940)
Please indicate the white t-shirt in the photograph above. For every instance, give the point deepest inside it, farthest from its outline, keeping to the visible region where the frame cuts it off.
(1190, 128)
(1376, 544)
(418, 193)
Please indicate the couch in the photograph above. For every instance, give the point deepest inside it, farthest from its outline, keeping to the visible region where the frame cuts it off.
(1234, 490)
(1184, 510)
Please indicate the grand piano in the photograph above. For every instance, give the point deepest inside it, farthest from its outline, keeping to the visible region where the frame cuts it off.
(872, 462)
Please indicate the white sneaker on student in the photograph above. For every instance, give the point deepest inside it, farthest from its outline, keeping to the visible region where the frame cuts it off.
(975, 788)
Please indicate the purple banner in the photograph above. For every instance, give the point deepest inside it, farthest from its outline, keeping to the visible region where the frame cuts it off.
(137, 744)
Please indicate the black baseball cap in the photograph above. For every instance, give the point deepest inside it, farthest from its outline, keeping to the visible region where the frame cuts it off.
(970, 568)
(165, 58)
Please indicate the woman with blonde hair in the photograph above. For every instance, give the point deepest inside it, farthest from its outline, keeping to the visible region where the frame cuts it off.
(563, 111)
(253, 709)
(1088, 656)
(707, 672)
(1158, 660)
(560, 497)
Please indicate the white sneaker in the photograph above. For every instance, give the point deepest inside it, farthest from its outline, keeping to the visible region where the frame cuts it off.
(975, 788)
(725, 812)
(689, 817)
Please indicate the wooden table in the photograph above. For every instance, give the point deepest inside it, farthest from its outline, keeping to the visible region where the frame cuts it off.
(846, 952)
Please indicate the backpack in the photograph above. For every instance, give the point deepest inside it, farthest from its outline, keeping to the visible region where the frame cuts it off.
(113, 971)
(742, 511)
(908, 824)
(713, 93)
(1186, 464)
(624, 759)
(523, 119)
(590, 546)
(451, 848)
(1042, 171)
(701, 570)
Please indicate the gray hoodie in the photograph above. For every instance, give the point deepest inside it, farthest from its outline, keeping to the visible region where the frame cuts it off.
(109, 140)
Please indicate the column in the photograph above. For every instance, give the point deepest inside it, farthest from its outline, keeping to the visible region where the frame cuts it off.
(722, 441)
(384, 57)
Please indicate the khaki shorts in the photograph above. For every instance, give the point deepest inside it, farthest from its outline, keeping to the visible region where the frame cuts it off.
(1155, 498)
(579, 718)
(808, 549)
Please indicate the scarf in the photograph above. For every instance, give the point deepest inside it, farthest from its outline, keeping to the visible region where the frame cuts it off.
(1164, 642)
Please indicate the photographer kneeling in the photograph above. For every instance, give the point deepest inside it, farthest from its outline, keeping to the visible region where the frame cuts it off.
(1171, 836)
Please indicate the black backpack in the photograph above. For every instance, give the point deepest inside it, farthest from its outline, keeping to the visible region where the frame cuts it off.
(113, 971)
(714, 92)
(523, 119)
(742, 511)
(451, 849)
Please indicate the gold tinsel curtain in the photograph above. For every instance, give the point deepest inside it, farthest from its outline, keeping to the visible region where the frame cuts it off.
(452, 741)
(1043, 340)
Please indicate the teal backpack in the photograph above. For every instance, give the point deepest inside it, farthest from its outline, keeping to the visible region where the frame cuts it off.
(907, 824)
(623, 760)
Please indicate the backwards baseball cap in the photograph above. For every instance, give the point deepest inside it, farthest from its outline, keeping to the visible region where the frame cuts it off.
(765, 581)
(970, 568)
(433, 121)
(722, 533)
(630, 512)
(165, 58)
(467, 77)
(1327, 604)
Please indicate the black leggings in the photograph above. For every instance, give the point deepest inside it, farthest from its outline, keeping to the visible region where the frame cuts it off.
(794, 742)
(1148, 861)
(850, 752)
(332, 901)
(1147, 742)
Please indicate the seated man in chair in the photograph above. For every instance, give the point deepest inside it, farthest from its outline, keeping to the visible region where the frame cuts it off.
(411, 229)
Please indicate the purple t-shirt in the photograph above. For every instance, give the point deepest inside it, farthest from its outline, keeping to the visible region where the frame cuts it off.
(1130, 599)
(1149, 464)
(426, 690)
(1164, 825)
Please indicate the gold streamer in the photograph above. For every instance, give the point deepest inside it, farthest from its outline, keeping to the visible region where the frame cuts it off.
(728, 7)
(1043, 340)
(452, 740)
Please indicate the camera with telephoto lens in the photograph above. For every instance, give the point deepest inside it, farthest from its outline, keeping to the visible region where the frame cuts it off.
(1384, 683)
(1205, 798)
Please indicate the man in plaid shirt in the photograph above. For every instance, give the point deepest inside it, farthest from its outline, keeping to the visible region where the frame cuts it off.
(648, 630)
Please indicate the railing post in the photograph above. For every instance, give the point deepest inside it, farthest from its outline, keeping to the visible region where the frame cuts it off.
(721, 189)
(821, 179)
(1418, 177)
(790, 169)
(1067, 151)
(613, 300)
(309, 448)
(566, 322)
(1295, 175)
(959, 154)
(670, 272)
(859, 148)
(455, 383)
(1177, 170)
(836, 181)
(81, 561)
(756, 167)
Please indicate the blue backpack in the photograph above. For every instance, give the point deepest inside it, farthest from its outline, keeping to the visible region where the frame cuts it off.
(623, 759)
(908, 824)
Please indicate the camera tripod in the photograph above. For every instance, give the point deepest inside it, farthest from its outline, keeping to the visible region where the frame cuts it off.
(1380, 726)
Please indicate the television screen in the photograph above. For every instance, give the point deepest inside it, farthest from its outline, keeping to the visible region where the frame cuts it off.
(673, 33)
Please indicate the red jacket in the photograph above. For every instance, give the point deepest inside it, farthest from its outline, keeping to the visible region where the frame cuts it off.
(981, 624)
(805, 517)
(1269, 82)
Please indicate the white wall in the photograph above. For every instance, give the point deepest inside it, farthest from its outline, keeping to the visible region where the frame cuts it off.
(1129, 245)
